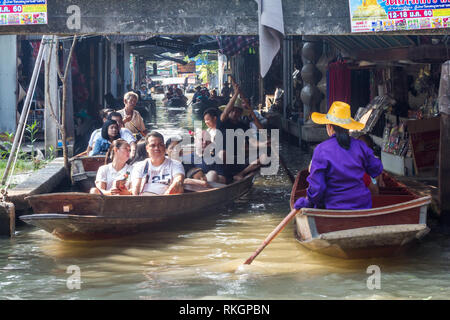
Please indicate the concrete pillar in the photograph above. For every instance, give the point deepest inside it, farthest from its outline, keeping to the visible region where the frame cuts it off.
(113, 70)
(222, 62)
(126, 67)
(8, 76)
(311, 95)
(288, 68)
(100, 72)
(51, 129)
(70, 125)
(7, 219)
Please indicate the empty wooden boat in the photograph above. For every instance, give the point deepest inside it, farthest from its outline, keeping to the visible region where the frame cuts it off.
(398, 218)
(81, 216)
(83, 171)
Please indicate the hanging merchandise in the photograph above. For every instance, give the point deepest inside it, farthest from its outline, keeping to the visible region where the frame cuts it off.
(396, 140)
(340, 82)
(370, 114)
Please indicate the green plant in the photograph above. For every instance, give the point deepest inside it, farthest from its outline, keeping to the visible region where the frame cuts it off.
(51, 153)
(32, 130)
(7, 138)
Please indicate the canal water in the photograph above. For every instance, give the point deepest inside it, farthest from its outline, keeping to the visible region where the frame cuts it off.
(202, 259)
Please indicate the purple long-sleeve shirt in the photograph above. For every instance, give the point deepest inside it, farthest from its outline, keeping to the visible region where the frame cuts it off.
(336, 176)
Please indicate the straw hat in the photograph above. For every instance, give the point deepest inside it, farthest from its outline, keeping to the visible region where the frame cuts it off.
(339, 114)
(237, 104)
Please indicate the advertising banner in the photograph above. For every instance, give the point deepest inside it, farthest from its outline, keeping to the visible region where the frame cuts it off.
(395, 15)
(23, 12)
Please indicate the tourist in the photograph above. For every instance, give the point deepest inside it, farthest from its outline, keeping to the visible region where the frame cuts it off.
(112, 178)
(214, 172)
(211, 117)
(132, 118)
(196, 94)
(226, 90)
(338, 165)
(97, 133)
(125, 133)
(109, 133)
(157, 174)
(231, 120)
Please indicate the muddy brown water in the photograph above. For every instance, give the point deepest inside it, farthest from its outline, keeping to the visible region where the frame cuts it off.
(202, 259)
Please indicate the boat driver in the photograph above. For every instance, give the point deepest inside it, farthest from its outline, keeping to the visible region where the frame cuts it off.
(339, 164)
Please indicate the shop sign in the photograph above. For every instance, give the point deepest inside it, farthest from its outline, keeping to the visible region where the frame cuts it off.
(187, 68)
(23, 12)
(396, 15)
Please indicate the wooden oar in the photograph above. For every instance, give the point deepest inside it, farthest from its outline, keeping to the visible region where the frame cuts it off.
(273, 234)
(282, 224)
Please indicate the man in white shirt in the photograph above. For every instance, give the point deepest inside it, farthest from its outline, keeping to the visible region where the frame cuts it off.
(157, 174)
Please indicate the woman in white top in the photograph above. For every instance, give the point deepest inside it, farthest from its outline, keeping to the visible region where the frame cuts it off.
(112, 178)
(210, 117)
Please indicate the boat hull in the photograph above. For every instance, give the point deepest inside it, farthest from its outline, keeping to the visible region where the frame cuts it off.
(79, 216)
(397, 219)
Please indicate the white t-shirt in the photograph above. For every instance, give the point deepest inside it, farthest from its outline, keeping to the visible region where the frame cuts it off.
(108, 174)
(125, 134)
(212, 133)
(159, 178)
(94, 136)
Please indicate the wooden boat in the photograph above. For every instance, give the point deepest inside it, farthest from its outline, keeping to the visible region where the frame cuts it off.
(398, 217)
(83, 171)
(81, 216)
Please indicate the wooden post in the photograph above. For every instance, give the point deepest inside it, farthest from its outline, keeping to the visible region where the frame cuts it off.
(70, 126)
(51, 97)
(7, 219)
(444, 169)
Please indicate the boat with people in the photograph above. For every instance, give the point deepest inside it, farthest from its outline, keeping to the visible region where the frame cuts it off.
(177, 102)
(398, 218)
(83, 216)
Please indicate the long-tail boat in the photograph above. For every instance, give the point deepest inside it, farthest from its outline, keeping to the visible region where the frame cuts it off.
(82, 216)
(398, 218)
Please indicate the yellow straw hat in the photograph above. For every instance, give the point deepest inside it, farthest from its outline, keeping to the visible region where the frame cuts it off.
(237, 104)
(339, 114)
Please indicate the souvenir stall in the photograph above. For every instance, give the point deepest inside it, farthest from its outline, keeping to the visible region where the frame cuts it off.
(403, 119)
